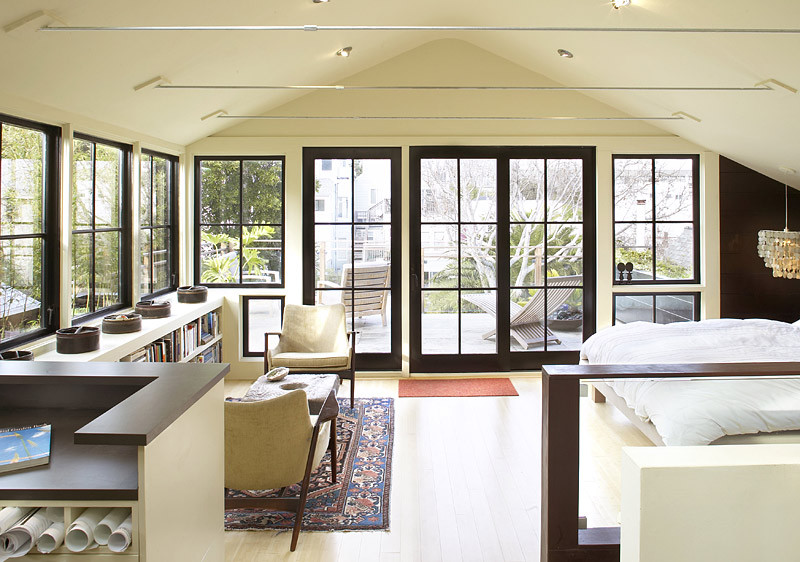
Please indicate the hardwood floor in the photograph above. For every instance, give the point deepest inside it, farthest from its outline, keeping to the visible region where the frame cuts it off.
(465, 482)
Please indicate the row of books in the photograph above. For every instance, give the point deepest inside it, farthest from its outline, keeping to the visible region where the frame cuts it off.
(212, 354)
(180, 343)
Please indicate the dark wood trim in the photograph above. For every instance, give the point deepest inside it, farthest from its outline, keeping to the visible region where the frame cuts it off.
(366, 361)
(504, 359)
(695, 217)
(173, 226)
(198, 203)
(561, 539)
(246, 351)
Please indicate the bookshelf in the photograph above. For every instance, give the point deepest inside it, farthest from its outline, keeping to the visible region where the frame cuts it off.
(191, 334)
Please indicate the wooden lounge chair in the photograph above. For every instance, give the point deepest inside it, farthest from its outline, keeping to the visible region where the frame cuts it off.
(364, 276)
(527, 322)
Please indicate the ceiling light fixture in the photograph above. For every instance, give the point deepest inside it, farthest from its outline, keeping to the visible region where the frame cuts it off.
(496, 87)
(344, 52)
(620, 3)
(452, 117)
(218, 113)
(321, 1)
(781, 249)
(565, 53)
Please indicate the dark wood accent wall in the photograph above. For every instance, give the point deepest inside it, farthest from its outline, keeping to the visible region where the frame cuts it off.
(749, 202)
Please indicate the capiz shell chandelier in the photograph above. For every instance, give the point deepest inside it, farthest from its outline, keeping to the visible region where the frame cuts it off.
(781, 249)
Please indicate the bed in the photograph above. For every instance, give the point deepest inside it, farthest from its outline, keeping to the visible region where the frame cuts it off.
(702, 412)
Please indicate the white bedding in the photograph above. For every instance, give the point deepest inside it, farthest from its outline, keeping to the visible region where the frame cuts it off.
(698, 412)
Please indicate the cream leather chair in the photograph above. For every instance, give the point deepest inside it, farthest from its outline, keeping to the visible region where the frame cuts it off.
(273, 444)
(314, 339)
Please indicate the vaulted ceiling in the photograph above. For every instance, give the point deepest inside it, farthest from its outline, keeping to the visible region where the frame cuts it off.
(93, 73)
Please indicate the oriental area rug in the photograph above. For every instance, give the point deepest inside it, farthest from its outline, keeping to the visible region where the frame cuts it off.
(417, 388)
(359, 501)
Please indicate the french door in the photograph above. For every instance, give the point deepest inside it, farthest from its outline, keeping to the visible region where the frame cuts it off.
(351, 232)
(502, 251)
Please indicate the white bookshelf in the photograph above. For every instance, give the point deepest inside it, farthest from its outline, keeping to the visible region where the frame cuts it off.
(115, 347)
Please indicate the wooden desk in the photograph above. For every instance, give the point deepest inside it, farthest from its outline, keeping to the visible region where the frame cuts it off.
(148, 436)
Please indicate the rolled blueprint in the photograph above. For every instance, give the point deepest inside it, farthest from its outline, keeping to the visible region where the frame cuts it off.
(80, 534)
(10, 516)
(55, 514)
(52, 538)
(110, 523)
(20, 538)
(120, 539)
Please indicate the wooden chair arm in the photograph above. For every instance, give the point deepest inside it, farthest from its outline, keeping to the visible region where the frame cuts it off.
(266, 347)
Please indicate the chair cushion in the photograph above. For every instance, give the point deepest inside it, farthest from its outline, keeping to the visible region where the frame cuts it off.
(299, 360)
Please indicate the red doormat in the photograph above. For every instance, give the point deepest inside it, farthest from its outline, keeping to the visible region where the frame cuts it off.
(416, 388)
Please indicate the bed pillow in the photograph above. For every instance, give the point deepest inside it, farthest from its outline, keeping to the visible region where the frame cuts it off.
(796, 323)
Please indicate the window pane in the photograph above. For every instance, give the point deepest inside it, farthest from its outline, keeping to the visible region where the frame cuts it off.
(634, 243)
(564, 328)
(565, 190)
(527, 319)
(478, 255)
(674, 251)
(82, 252)
(20, 289)
(373, 190)
(478, 322)
(161, 259)
(526, 190)
(439, 255)
(22, 174)
(333, 250)
(439, 322)
(439, 188)
(219, 254)
(633, 308)
(478, 190)
(107, 269)
(262, 185)
(219, 188)
(146, 249)
(145, 191)
(261, 253)
(633, 189)
(373, 324)
(82, 184)
(674, 308)
(527, 254)
(373, 244)
(335, 184)
(564, 249)
(107, 185)
(264, 315)
(674, 193)
(161, 186)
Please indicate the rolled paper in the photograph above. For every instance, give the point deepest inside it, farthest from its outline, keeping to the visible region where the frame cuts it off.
(52, 538)
(120, 539)
(110, 523)
(80, 534)
(55, 514)
(10, 516)
(20, 538)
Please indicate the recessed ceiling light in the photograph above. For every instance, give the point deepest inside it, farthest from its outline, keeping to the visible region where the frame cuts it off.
(565, 53)
(344, 52)
(616, 3)
(321, 1)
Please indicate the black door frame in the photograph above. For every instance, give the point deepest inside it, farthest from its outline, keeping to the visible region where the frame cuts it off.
(364, 361)
(504, 359)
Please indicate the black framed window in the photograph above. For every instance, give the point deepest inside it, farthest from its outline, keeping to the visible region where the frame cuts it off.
(657, 218)
(660, 308)
(260, 314)
(158, 181)
(100, 226)
(239, 215)
(29, 255)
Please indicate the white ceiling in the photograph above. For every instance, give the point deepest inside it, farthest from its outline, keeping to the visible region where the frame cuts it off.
(93, 73)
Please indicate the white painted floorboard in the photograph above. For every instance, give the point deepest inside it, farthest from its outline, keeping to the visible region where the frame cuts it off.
(465, 482)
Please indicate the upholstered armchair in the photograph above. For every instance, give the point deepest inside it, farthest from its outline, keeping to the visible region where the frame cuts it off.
(314, 339)
(275, 443)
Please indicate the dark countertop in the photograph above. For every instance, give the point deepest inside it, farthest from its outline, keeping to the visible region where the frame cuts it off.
(99, 413)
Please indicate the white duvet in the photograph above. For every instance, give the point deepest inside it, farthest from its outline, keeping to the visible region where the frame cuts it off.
(698, 412)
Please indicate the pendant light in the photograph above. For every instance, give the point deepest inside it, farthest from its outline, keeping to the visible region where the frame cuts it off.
(781, 249)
